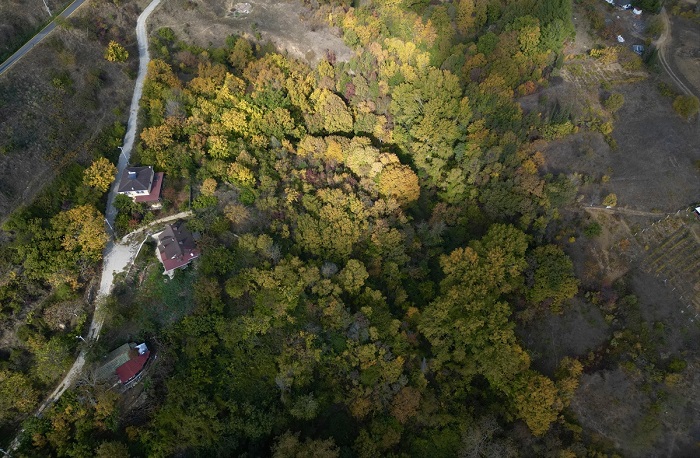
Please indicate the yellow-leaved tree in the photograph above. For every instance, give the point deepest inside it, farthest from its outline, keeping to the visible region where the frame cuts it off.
(100, 174)
(116, 52)
(81, 229)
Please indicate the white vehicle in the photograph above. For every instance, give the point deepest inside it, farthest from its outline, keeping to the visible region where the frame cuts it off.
(620, 39)
(636, 11)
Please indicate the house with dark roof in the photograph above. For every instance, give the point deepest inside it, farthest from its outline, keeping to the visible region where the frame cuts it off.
(176, 247)
(126, 362)
(142, 184)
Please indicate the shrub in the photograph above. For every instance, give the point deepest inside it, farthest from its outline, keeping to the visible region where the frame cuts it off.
(116, 52)
(593, 230)
(610, 200)
(686, 105)
(614, 102)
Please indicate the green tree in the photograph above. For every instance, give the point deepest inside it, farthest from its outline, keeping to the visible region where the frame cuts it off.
(468, 325)
(552, 279)
(686, 106)
(112, 449)
(333, 223)
(614, 102)
(289, 446)
(17, 396)
(332, 111)
(353, 276)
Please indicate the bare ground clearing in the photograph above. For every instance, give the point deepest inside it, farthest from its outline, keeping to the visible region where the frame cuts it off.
(683, 53)
(652, 168)
(288, 24)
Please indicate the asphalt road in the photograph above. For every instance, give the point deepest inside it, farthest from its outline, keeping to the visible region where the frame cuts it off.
(36, 39)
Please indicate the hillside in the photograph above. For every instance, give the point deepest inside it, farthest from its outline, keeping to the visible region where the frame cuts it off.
(417, 229)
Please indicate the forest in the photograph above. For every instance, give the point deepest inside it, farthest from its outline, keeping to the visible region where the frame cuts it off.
(371, 233)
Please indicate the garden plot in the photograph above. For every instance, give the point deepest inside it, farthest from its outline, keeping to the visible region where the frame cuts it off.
(590, 73)
(674, 258)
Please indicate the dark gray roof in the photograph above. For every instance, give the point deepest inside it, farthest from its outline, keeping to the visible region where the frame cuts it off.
(136, 179)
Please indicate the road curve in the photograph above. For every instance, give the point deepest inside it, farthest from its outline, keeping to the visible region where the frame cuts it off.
(36, 39)
(116, 256)
(661, 44)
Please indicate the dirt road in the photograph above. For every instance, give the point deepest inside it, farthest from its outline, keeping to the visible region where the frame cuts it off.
(625, 211)
(662, 44)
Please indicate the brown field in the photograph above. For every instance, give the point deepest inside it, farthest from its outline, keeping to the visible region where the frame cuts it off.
(289, 25)
(61, 96)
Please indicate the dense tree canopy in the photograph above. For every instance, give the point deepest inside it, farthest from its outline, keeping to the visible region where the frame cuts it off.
(368, 229)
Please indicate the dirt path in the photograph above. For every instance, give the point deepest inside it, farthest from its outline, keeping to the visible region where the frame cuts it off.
(662, 44)
(625, 211)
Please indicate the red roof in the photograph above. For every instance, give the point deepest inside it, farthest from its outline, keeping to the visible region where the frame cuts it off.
(131, 368)
(186, 258)
(154, 195)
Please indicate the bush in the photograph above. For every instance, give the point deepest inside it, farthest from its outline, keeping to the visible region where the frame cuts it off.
(614, 102)
(593, 230)
(686, 105)
(610, 200)
(116, 52)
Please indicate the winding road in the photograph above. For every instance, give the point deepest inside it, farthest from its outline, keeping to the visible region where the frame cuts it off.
(36, 39)
(117, 256)
(661, 44)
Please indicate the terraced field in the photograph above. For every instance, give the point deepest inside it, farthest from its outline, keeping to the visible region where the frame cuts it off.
(674, 257)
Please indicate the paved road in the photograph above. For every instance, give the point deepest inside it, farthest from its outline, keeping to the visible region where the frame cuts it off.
(36, 39)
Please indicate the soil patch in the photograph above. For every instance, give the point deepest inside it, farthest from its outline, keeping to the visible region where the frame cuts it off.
(550, 337)
(289, 25)
(683, 53)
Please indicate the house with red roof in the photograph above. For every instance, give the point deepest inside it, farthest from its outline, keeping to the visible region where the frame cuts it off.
(126, 362)
(176, 247)
(142, 184)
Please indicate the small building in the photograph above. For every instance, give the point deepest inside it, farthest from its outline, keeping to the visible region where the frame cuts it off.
(176, 247)
(142, 184)
(637, 11)
(697, 212)
(126, 362)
